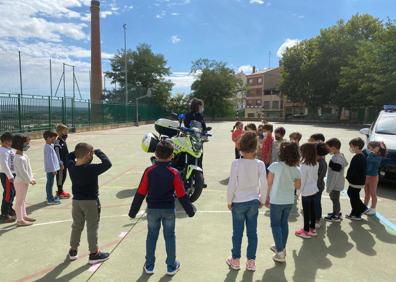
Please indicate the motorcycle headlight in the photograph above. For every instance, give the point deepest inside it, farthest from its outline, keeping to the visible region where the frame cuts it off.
(196, 144)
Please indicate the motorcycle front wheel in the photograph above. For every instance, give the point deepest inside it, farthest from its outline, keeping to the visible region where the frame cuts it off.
(197, 186)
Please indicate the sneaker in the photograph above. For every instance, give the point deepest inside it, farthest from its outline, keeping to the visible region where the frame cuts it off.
(370, 211)
(357, 218)
(312, 233)
(23, 223)
(72, 255)
(149, 269)
(251, 265)
(12, 212)
(273, 248)
(7, 219)
(98, 257)
(233, 263)
(172, 270)
(279, 257)
(63, 195)
(53, 202)
(302, 233)
(333, 218)
(330, 214)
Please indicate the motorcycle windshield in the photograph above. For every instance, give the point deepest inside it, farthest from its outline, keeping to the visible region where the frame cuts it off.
(196, 126)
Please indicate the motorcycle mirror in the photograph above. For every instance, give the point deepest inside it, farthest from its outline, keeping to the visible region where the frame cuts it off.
(181, 117)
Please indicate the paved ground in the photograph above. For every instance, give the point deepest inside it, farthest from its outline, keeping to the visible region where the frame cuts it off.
(360, 251)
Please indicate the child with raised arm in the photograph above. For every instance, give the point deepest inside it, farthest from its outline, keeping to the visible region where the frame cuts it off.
(245, 195)
(283, 178)
(86, 205)
(160, 183)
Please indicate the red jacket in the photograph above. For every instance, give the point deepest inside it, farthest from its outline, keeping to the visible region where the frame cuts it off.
(267, 149)
(236, 135)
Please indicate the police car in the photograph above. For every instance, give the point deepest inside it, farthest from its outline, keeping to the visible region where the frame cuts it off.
(384, 129)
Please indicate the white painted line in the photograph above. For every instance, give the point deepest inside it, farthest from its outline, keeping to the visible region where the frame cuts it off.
(94, 267)
(123, 234)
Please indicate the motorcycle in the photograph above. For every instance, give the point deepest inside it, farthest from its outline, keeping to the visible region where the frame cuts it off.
(188, 149)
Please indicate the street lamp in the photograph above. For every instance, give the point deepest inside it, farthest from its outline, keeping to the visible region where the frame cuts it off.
(148, 94)
(126, 74)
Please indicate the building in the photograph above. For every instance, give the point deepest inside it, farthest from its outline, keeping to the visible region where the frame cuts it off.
(264, 99)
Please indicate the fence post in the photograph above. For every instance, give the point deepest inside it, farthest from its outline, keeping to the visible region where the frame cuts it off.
(49, 113)
(63, 110)
(20, 112)
(72, 113)
(89, 113)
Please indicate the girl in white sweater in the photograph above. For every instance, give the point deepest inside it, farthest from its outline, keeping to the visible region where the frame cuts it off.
(309, 188)
(24, 177)
(247, 188)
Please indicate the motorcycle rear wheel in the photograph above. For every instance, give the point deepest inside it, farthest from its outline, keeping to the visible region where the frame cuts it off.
(198, 184)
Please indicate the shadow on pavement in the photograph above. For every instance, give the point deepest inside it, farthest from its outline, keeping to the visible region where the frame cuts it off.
(277, 273)
(35, 207)
(315, 252)
(363, 239)
(127, 193)
(53, 274)
(338, 239)
(143, 277)
(231, 276)
(224, 181)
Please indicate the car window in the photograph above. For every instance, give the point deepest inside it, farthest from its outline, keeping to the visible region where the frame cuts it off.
(386, 125)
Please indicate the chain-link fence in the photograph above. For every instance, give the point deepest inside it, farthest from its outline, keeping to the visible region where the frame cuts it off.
(24, 113)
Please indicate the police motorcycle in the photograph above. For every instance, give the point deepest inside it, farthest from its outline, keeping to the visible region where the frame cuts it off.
(188, 149)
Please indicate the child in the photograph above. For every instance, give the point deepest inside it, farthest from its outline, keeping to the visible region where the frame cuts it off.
(237, 132)
(51, 164)
(7, 175)
(279, 134)
(23, 178)
(62, 152)
(160, 182)
(321, 150)
(267, 144)
(246, 194)
(295, 137)
(251, 127)
(86, 204)
(335, 178)
(317, 138)
(260, 138)
(283, 178)
(356, 176)
(376, 151)
(309, 188)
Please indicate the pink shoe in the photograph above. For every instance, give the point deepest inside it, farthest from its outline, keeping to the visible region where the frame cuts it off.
(251, 265)
(233, 263)
(303, 234)
(312, 233)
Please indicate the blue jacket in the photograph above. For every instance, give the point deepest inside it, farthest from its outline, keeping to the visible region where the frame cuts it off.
(373, 164)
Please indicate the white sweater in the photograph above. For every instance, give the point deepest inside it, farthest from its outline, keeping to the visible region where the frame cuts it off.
(7, 156)
(248, 181)
(309, 180)
(22, 169)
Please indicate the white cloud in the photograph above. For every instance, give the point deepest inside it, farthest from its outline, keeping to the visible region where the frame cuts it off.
(175, 14)
(286, 44)
(259, 2)
(182, 81)
(246, 69)
(175, 39)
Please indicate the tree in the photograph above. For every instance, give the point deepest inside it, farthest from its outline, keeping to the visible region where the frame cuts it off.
(216, 85)
(179, 103)
(145, 70)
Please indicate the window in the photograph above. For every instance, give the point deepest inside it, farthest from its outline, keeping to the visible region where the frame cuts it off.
(266, 104)
(258, 92)
(249, 102)
(250, 80)
(250, 115)
(260, 80)
(275, 105)
(258, 102)
(267, 91)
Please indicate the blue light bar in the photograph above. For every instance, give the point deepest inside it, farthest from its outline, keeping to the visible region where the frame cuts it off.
(390, 107)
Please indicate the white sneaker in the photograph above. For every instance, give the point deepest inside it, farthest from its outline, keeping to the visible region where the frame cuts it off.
(318, 225)
(273, 249)
(279, 257)
(371, 211)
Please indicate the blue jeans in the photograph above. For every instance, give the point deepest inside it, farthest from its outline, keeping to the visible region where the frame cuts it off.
(49, 185)
(154, 219)
(279, 215)
(246, 212)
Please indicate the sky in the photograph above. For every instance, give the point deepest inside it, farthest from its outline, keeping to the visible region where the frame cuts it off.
(242, 33)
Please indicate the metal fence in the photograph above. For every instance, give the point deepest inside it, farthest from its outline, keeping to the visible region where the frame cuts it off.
(24, 113)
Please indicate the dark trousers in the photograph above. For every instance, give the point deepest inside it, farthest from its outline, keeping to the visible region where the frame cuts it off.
(335, 198)
(237, 154)
(60, 179)
(358, 207)
(318, 205)
(8, 195)
(308, 204)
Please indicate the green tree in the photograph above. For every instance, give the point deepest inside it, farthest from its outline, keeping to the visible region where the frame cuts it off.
(178, 103)
(145, 70)
(216, 85)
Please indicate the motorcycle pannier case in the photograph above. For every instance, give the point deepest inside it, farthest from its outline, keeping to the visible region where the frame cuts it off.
(167, 127)
(149, 143)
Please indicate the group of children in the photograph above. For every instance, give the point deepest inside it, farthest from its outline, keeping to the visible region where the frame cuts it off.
(274, 172)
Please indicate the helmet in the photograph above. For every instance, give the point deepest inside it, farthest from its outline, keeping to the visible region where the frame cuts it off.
(149, 143)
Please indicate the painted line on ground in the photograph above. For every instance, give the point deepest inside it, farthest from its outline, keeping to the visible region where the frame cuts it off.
(385, 221)
(94, 267)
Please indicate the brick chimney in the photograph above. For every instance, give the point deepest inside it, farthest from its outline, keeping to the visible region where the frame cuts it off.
(96, 55)
(254, 69)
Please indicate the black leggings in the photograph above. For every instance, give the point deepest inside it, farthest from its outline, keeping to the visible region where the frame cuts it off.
(308, 204)
(60, 179)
